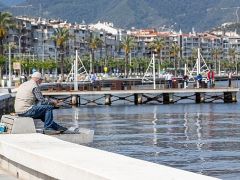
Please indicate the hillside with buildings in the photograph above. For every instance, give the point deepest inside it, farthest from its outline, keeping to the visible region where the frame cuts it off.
(36, 38)
(228, 27)
(176, 14)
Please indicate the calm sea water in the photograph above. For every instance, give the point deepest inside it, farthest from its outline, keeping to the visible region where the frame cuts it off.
(202, 138)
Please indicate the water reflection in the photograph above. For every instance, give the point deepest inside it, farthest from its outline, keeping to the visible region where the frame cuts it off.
(75, 117)
(202, 138)
(154, 125)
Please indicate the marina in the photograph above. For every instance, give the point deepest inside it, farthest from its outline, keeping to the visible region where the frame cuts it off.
(197, 137)
(93, 101)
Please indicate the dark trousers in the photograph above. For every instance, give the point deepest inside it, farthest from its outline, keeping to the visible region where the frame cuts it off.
(229, 82)
(211, 83)
(43, 112)
(169, 83)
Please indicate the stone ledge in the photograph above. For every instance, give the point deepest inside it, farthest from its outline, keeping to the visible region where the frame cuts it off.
(63, 160)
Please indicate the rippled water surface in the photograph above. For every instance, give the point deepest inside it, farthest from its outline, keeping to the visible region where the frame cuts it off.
(202, 138)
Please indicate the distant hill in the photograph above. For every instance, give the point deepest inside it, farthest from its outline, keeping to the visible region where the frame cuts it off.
(229, 27)
(11, 2)
(185, 14)
(2, 6)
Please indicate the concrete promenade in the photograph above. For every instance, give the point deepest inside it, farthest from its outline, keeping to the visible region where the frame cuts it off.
(5, 175)
(34, 156)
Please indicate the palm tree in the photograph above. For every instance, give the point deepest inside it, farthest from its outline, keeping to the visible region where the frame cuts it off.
(94, 43)
(193, 57)
(157, 45)
(61, 36)
(2, 62)
(174, 51)
(233, 53)
(6, 22)
(127, 45)
(216, 53)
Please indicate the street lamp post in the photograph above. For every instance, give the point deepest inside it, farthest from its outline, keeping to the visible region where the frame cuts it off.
(10, 67)
(55, 61)
(43, 54)
(19, 42)
(130, 61)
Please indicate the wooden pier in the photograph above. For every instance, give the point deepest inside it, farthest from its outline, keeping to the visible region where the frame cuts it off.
(145, 96)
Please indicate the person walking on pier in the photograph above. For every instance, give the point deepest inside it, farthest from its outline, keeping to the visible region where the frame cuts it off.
(169, 79)
(229, 79)
(199, 80)
(210, 77)
(185, 80)
(29, 102)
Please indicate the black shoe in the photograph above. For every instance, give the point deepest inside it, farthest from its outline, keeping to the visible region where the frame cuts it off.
(50, 131)
(61, 128)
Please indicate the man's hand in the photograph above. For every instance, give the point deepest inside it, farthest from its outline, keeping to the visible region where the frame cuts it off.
(57, 103)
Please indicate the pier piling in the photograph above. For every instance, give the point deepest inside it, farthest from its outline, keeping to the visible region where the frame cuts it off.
(108, 99)
(137, 99)
(74, 100)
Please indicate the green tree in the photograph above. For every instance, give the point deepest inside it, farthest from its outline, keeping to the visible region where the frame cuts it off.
(157, 45)
(216, 54)
(193, 57)
(61, 36)
(135, 65)
(143, 64)
(127, 45)
(167, 63)
(232, 54)
(85, 60)
(174, 51)
(94, 43)
(2, 63)
(6, 22)
(49, 64)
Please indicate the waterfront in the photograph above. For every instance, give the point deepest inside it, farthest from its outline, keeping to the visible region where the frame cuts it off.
(202, 138)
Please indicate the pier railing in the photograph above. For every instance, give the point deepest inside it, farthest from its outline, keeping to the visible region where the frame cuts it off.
(146, 96)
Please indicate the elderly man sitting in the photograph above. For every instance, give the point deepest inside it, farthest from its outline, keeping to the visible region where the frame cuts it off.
(29, 102)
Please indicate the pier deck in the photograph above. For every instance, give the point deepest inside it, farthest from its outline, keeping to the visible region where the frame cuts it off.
(142, 91)
(144, 96)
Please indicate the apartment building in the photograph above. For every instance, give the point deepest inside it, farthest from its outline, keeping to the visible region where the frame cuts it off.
(41, 44)
(144, 37)
(188, 43)
(111, 38)
(33, 37)
(232, 40)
